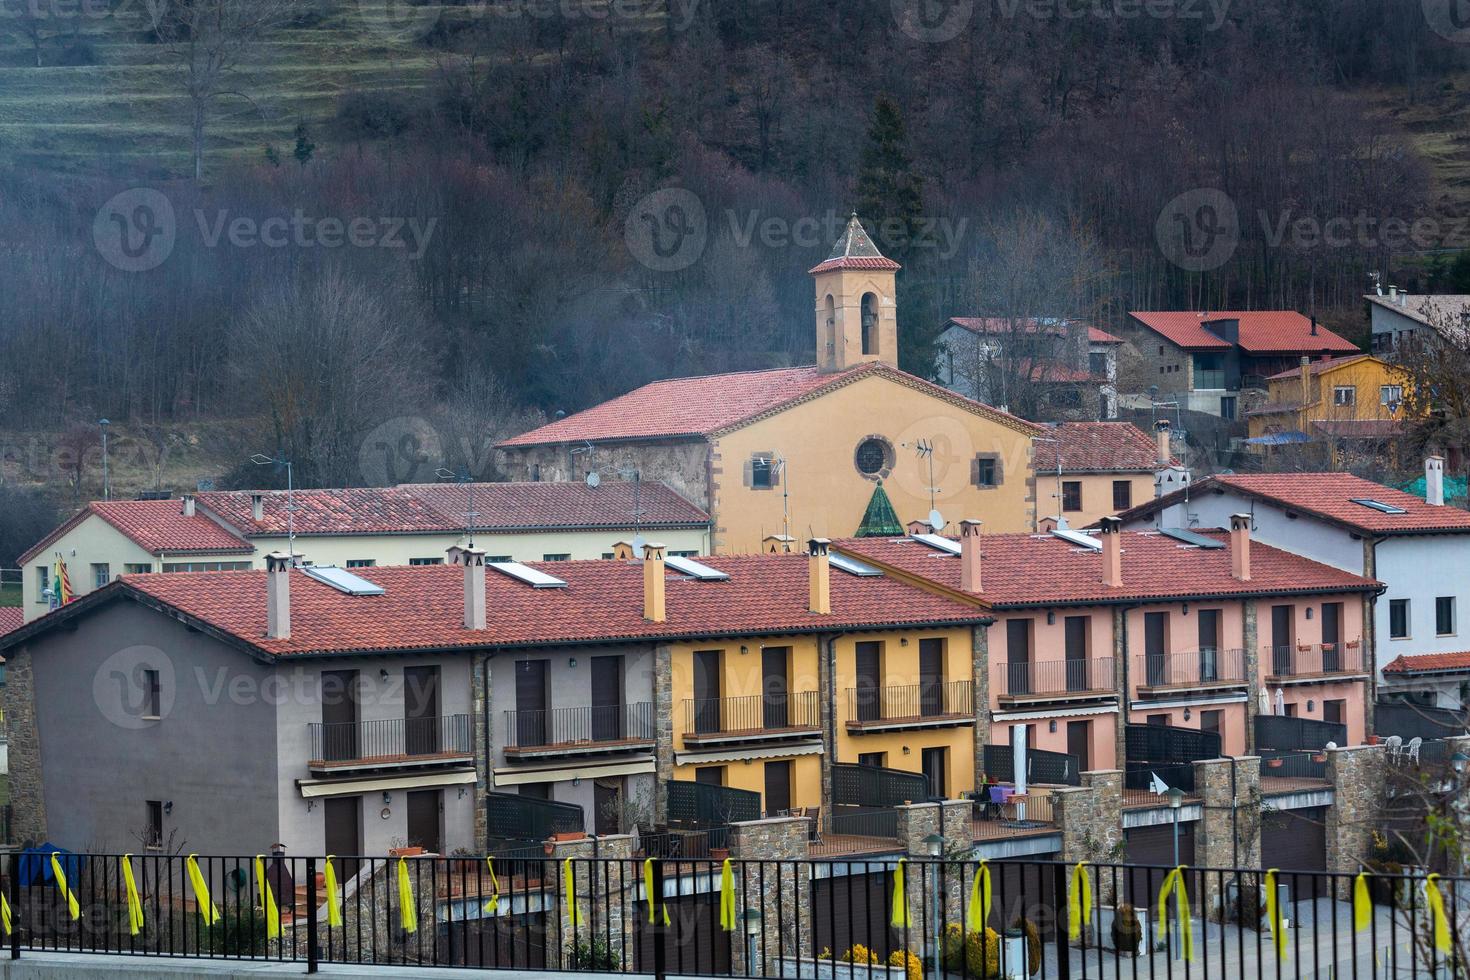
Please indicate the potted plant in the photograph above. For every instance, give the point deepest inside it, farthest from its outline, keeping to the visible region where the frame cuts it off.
(1127, 931)
(718, 853)
(405, 851)
(1275, 763)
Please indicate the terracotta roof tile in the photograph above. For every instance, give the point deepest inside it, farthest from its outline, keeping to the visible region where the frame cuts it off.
(11, 618)
(1097, 447)
(1322, 364)
(156, 526)
(423, 607)
(1261, 331)
(516, 506)
(1096, 336)
(1034, 570)
(1428, 662)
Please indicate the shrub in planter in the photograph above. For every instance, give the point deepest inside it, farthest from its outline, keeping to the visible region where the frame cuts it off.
(592, 953)
(1033, 945)
(1247, 908)
(861, 954)
(1127, 932)
(912, 965)
(973, 953)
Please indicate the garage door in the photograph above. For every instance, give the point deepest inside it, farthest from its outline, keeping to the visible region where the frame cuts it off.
(1295, 840)
(848, 909)
(1155, 846)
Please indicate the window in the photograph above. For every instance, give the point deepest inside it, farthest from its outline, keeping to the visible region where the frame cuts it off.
(497, 559)
(1228, 407)
(154, 829)
(683, 554)
(206, 566)
(1398, 619)
(1067, 397)
(1097, 364)
(985, 470)
(762, 472)
(557, 556)
(607, 556)
(101, 574)
(361, 562)
(137, 568)
(933, 763)
(874, 456)
(1444, 615)
(710, 775)
(1122, 494)
(873, 760)
(1391, 395)
(1162, 720)
(1072, 495)
(1334, 711)
(43, 582)
(1345, 396)
(1209, 721)
(152, 696)
(426, 561)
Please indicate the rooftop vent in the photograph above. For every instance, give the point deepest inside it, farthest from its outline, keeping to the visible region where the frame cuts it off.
(342, 580)
(1188, 537)
(525, 573)
(1378, 505)
(695, 570)
(853, 567)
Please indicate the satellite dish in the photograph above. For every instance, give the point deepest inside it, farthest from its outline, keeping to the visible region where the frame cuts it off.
(936, 521)
(593, 480)
(638, 542)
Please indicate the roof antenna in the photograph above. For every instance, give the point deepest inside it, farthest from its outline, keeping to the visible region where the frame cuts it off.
(280, 462)
(470, 514)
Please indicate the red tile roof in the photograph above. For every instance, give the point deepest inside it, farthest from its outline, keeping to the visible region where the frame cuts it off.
(857, 262)
(157, 526)
(1328, 496)
(1040, 570)
(1261, 331)
(1322, 364)
(1429, 663)
(1096, 336)
(534, 506)
(855, 250)
(11, 618)
(1001, 325)
(709, 404)
(423, 607)
(366, 510)
(1097, 447)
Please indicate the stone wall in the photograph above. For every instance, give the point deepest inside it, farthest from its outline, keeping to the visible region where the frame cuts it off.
(1229, 833)
(606, 901)
(663, 732)
(951, 820)
(27, 800)
(1250, 640)
(980, 671)
(783, 891)
(684, 466)
(1090, 820)
(1359, 776)
(479, 699)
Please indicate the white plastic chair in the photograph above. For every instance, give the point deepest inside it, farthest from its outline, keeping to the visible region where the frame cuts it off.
(1413, 749)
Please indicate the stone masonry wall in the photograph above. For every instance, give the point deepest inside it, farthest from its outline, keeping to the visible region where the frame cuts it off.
(479, 699)
(1229, 835)
(980, 671)
(1090, 819)
(605, 900)
(27, 801)
(1250, 639)
(783, 891)
(1359, 777)
(663, 735)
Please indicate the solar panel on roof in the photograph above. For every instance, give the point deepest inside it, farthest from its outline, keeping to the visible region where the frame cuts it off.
(938, 543)
(342, 580)
(525, 573)
(1078, 538)
(853, 567)
(694, 569)
(1378, 505)
(1189, 537)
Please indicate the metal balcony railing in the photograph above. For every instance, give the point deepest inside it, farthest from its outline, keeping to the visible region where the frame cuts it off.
(1054, 677)
(391, 739)
(914, 703)
(753, 713)
(1313, 659)
(1200, 668)
(584, 725)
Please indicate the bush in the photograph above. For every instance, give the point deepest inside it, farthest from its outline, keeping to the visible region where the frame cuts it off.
(1127, 931)
(592, 953)
(862, 955)
(237, 932)
(973, 953)
(1248, 909)
(1033, 945)
(913, 966)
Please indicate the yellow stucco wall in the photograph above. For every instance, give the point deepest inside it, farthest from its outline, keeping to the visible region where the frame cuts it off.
(1368, 375)
(1097, 495)
(93, 541)
(828, 495)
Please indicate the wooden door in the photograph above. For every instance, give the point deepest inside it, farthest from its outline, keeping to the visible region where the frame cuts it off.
(707, 691)
(607, 699)
(775, 689)
(778, 787)
(866, 692)
(1079, 743)
(931, 677)
(342, 821)
(1075, 630)
(340, 730)
(1331, 636)
(1283, 639)
(1156, 647)
(423, 819)
(1209, 644)
(1018, 656)
(421, 710)
(531, 727)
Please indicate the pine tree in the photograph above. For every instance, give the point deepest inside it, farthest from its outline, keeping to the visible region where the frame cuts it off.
(304, 146)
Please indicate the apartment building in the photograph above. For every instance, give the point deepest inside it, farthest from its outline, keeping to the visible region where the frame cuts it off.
(1086, 471)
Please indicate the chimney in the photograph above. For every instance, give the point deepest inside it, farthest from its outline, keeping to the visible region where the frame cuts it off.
(1163, 433)
(1112, 550)
(1240, 547)
(1306, 368)
(916, 528)
(1434, 481)
(278, 596)
(257, 507)
(777, 544)
(820, 566)
(970, 559)
(654, 583)
(1314, 325)
(188, 505)
(473, 560)
(623, 551)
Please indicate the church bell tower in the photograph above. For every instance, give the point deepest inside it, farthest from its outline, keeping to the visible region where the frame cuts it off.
(857, 313)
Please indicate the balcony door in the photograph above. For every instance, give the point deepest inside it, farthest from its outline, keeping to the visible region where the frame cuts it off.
(707, 691)
(868, 665)
(775, 689)
(778, 787)
(421, 710)
(1331, 636)
(1209, 644)
(931, 677)
(1018, 656)
(1075, 629)
(607, 699)
(933, 762)
(1079, 743)
(530, 703)
(340, 730)
(423, 820)
(1283, 639)
(342, 817)
(1156, 647)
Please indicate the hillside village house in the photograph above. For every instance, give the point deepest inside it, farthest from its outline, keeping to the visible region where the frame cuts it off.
(1195, 628)
(1416, 547)
(343, 712)
(1355, 401)
(1204, 361)
(353, 528)
(799, 451)
(981, 357)
(1086, 471)
(1400, 316)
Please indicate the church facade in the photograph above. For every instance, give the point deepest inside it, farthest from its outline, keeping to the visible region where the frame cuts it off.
(800, 451)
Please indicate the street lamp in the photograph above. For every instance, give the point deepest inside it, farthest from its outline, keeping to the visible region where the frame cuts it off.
(1176, 800)
(106, 482)
(752, 930)
(934, 844)
(261, 459)
(1459, 761)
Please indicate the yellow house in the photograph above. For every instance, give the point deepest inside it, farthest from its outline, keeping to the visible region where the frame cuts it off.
(1353, 398)
(800, 451)
(1086, 471)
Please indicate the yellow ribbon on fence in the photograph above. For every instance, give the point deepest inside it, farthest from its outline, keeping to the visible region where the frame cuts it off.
(979, 912)
(1174, 885)
(5, 914)
(1436, 914)
(334, 895)
(1079, 901)
(135, 904)
(900, 912)
(71, 900)
(207, 910)
(727, 897)
(492, 907)
(1273, 916)
(569, 879)
(648, 892)
(267, 900)
(408, 917)
(1362, 903)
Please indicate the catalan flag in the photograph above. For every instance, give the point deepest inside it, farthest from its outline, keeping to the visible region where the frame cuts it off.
(60, 584)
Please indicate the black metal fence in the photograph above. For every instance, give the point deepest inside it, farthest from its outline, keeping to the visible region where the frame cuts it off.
(580, 725)
(874, 786)
(912, 702)
(850, 919)
(752, 713)
(1165, 744)
(1284, 734)
(390, 738)
(1418, 721)
(1042, 767)
(701, 806)
(1294, 765)
(1054, 677)
(511, 817)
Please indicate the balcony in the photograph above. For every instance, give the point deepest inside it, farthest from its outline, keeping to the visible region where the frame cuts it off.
(754, 718)
(579, 731)
(1054, 680)
(398, 743)
(1310, 662)
(931, 705)
(1201, 670)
